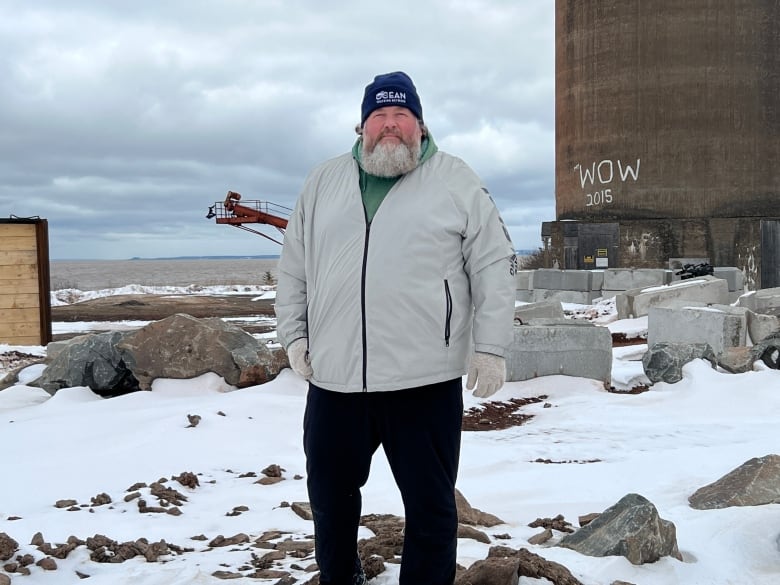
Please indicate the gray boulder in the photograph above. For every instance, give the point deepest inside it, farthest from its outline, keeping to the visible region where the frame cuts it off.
(663, 362)
(631, 528)
(89, 360)
(754, 483)
(183, 347)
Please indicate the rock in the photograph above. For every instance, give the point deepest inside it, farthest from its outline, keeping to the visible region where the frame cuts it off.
(663, 362)
(93, 361)
(558, 523)
(5, 579)
(187, 479)
(754, 483)
(587, 518)
(631, 528)
(495, 571)
(227, 575)
(303, 509)
(8, 546)
(541, 537)
(184, 347)
(472, 533)
(737, 360)
(273, 470)
(47, 564)
(534, 566)
(220, 540)
(472, 516)
(65, 503)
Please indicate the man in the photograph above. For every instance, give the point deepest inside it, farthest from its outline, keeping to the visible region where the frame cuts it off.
(396, 273)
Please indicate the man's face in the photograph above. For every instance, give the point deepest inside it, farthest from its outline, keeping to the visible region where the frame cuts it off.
(391, 125)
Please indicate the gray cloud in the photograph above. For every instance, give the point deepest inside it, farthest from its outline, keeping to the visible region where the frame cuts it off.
(121, 122)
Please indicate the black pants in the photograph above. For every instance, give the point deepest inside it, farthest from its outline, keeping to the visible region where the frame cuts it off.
(419, 430)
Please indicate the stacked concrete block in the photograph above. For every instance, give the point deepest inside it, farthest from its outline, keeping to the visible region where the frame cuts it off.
(735, 278)
(567, 286)
(720, 326)
(524, 285)
(618, 280)
(560, 347)
(638, 302)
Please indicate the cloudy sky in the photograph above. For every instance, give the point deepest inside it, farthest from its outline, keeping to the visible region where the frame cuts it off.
(122, 121)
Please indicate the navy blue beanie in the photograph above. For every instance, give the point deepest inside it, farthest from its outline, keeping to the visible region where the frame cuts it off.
(390, 89)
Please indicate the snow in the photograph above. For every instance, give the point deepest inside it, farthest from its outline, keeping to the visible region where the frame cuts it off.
(663, 444)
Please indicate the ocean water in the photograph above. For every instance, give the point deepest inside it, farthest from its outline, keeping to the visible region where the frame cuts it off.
(101, 274)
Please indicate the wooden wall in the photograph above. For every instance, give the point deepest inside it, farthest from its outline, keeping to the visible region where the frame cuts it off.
(25, 306)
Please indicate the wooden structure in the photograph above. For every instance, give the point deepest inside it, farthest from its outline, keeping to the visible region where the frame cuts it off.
(25, 304)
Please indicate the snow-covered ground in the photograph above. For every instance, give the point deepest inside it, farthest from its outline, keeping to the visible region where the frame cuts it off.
(663, 444)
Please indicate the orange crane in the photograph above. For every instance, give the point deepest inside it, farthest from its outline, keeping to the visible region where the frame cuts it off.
(231, 212)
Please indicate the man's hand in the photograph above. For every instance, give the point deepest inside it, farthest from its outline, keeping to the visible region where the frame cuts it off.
(488, 372)
(298, 355)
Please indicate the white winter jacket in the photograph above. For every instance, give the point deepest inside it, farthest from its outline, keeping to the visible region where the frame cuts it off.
(403, 301)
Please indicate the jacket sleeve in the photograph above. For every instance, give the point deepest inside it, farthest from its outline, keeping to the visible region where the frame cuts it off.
(291, 297)
(491, 264)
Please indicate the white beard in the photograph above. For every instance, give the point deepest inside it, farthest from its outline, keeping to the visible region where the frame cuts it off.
(390, 160)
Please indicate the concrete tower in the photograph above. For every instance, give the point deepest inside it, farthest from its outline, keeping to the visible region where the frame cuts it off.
(668, 135)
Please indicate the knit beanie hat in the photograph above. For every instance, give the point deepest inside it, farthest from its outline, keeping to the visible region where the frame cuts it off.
(390, 89)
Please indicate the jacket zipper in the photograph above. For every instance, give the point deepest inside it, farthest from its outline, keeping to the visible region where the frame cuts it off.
(363, 306)
(448, 298)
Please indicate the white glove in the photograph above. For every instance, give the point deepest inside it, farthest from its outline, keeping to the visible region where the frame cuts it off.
(488, 372)
(298, 355)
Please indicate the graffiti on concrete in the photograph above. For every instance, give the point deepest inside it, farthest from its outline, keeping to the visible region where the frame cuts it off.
(594, 178)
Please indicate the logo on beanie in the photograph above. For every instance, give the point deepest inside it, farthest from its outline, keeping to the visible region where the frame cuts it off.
(390, 97)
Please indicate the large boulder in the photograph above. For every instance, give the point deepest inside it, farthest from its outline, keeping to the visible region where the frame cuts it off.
(663, 362)
(89, 360)
(754, 483)
(631, 528)
(182, 346)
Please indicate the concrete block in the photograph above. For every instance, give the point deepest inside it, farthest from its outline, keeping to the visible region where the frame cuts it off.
(733, 275)
(621, 279)
(720, 326)
(760, 326)
(765, 300)
(551, 279)
(541, 310)
(560, 347)
(596, 280)
(637, 302)
(565, 296)
(524, 280)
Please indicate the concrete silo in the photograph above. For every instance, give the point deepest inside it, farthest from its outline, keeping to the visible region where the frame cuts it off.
(668, 134)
